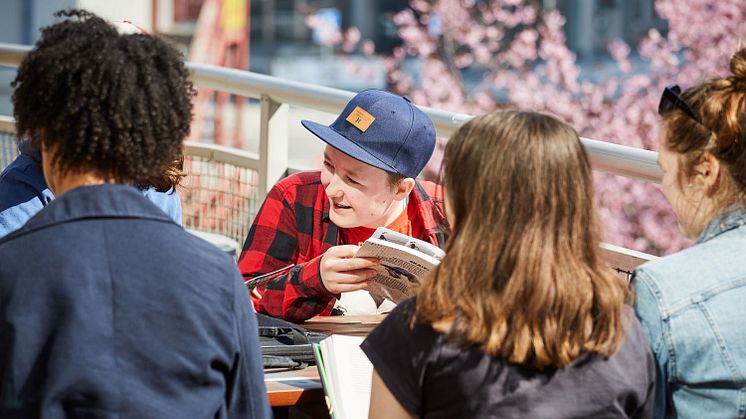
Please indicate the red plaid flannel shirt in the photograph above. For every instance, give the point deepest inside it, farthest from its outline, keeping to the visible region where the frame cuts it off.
(293, 227)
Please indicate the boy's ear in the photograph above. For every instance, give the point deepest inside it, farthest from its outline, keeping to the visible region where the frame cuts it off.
(403, 189)
(706, 173)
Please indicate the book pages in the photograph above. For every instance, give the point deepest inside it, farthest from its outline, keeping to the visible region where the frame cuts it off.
(348, 376)
(624, 260)
(400, 270)
(360, 302)
(384, 234)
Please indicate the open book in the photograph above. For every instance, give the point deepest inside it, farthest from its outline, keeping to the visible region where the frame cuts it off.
(404, 260)
(346, 375)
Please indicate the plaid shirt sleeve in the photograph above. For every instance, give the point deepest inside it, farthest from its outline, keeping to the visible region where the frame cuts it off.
(272, 243)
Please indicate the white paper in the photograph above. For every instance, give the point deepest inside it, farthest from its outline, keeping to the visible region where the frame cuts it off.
(350, 373)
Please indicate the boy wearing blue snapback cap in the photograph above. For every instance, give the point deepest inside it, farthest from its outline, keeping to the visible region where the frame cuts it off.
(311, 223)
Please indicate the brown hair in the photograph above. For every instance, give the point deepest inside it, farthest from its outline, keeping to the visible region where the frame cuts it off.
(168, 179)
(395, 179)
(721, 106)
(523, 277)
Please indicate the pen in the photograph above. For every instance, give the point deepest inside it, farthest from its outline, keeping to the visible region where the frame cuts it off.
(256, 281)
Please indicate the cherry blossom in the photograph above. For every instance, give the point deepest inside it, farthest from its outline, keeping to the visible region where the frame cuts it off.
(524, 61)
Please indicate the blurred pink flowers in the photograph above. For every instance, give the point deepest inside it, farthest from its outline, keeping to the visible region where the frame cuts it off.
(525, 61)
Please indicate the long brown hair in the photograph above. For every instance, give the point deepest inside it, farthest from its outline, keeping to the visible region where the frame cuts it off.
(721, 106)
(523, 277)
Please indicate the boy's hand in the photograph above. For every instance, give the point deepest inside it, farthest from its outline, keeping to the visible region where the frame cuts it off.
(342, 272)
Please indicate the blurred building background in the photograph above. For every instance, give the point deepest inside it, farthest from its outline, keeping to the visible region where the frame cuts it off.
(282, 44)
(274, 37)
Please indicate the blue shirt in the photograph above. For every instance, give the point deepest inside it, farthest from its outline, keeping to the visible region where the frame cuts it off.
(691, 305)
(110, 309)
(24, 192)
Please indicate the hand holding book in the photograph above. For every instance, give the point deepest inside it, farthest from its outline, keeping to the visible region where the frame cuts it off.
(342, 271)
(403, 261)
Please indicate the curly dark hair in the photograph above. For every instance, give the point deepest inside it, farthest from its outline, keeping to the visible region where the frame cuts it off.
(117, 105)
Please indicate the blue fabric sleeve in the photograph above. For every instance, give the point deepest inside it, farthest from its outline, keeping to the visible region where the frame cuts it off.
(649, 313)
(23, 193)
(15, 217)
(169, 202)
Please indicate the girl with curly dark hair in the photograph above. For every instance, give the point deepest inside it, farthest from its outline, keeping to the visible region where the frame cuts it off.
(23, 190)
(109, 308)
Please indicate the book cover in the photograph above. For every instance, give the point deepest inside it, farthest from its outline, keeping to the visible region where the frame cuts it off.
(404, 261)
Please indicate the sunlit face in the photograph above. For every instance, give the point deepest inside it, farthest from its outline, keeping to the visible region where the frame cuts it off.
(359, 194)
(682, 196)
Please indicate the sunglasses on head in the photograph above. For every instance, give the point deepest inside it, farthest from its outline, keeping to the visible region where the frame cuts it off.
(671, 98)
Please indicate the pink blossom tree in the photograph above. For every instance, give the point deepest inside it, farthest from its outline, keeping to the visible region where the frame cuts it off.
(523, 56)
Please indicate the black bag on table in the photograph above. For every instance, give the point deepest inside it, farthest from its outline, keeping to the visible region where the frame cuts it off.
(285, 344)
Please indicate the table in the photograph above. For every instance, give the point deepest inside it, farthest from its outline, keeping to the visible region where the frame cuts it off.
(296, 391)
(300, 390)
(359, 325)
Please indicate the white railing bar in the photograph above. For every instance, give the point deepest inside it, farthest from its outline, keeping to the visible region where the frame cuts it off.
(7, 124)
(230, 155)
(623, 160)
(327, 99)
(612, 158)
(214, 152)
(12, 54)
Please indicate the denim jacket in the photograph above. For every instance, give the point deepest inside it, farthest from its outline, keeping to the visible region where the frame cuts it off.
(692, 306)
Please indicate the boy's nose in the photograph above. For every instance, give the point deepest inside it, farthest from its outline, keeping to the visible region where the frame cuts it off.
(332, 189)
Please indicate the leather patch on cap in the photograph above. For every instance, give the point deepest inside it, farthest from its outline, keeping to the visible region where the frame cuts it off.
(360, 119)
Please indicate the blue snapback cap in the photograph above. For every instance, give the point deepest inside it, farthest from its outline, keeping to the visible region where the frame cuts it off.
(383, 130)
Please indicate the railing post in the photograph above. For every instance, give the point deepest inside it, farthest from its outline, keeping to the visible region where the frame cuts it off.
(273, 143)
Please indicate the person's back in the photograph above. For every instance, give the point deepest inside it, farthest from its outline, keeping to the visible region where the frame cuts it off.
(691, 303)
(108, 308)
(522, 318)
(124, 315)
(695, 297)
(466, 382)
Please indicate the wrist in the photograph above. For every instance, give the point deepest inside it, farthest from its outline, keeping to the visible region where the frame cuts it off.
(313, 280)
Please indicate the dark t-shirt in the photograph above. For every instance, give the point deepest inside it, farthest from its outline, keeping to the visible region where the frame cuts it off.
(434, 378)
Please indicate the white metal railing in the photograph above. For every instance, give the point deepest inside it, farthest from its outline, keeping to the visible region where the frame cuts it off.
(218, 193)
(276, 94)
(612, 158)
(8, 148)
(272, 160)
(229, 155)
(7, 124)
